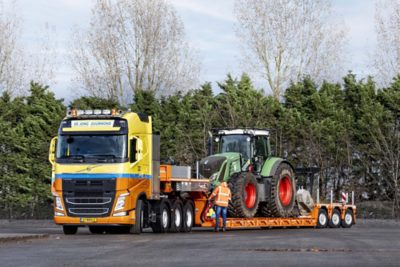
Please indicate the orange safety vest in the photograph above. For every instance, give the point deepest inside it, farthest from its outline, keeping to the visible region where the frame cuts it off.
(223, 195)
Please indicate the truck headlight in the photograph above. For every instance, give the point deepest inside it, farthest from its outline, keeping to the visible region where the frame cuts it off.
(59, 205)
(121, 201)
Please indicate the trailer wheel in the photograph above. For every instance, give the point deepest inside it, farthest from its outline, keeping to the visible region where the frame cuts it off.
(188, 216)
(139, 218)
(348, 219)
(176, 216)
(97, 229)
(163, 217)
(70, 229)
(282, 199)
(245, 200)
(322, 219)
(334, 222)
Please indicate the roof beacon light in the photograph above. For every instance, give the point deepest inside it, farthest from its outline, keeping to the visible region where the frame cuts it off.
(72, 113)
(113, 112)
(89, 112)
(97, 112)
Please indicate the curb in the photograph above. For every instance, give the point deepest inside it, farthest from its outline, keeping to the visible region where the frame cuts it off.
(11, 238)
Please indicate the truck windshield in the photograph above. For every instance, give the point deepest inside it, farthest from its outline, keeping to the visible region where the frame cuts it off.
(236, 143)
(91, 148)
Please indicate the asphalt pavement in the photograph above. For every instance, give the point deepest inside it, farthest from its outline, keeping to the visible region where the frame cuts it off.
(369, 243)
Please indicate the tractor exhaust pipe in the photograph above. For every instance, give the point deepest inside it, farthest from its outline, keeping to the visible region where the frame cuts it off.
(197, 169)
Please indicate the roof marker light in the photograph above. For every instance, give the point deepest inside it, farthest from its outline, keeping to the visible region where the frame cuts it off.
(106, 112)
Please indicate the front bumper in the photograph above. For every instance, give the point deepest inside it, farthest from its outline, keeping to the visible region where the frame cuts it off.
(110, 220)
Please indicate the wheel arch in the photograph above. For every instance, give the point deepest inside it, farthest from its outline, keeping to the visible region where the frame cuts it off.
(271, 164)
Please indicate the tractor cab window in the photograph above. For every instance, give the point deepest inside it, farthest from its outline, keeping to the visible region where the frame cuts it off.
(261, 147)
(236, 143)
(260, 152)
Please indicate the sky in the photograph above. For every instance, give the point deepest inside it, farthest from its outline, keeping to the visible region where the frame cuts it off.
(209, 26)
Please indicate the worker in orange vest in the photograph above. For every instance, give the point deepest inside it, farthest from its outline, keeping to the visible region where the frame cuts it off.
(222, 195)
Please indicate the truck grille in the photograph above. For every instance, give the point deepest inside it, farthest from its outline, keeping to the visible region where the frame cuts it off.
(88, 197)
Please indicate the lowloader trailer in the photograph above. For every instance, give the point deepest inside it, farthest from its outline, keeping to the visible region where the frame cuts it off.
(106, 173)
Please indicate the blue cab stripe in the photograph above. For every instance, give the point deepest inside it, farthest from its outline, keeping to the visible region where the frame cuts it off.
(101, 175)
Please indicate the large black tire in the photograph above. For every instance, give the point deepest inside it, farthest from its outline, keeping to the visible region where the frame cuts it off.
(139, 218)
(245, 199)
(188, 216)
(335, 220)
(163, 217)
(176, 216)
(283, 193)
(348, 220)
(323, 219)
(70, 229)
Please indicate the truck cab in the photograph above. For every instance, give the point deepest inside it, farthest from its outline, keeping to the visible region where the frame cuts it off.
(102, 162)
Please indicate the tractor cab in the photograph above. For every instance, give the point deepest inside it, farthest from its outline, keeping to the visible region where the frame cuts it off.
(252, 145)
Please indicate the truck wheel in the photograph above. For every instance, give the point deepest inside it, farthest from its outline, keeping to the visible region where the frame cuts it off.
(70, 229)
(163, 217)
(334, 222)
(97, 229)
(348, 219)
(322, 219)
(188, 216)
(176, 216)
(139, 218)
(244, 203)
(282, 199)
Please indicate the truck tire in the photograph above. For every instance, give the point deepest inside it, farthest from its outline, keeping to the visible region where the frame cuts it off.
(245, 200)
(97, 229)
(163, 217)
(348, 219)
(323, 219)
(188, 216)
(335, 220)
(176, 216)
(139, 218)
(283, 192)
(70, 229)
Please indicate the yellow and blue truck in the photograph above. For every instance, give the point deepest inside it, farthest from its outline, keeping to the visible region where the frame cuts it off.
(106, 173)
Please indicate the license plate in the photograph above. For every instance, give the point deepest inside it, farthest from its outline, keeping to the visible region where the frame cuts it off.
(88, 220)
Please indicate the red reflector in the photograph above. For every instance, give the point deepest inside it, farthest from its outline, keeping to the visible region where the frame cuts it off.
(251, 168)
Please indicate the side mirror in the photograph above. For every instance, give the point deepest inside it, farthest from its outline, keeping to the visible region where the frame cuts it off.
(136, 148)
(52, 150)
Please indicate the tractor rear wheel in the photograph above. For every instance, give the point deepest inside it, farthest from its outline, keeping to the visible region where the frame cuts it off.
(244, 203)
(282, 199)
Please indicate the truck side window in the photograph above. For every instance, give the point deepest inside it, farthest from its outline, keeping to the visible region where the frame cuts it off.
(133, 150)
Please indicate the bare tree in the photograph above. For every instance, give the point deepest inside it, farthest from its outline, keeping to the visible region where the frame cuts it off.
(133, 45)
(387, 54)
(11, 60)
(286, 39)
(19, 64)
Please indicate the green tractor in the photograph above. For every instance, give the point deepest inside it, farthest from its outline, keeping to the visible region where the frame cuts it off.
(261, 185)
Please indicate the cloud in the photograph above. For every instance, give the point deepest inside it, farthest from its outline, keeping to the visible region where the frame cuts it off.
(220, 10)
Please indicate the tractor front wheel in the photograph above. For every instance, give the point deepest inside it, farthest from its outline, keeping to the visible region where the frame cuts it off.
(244, 203)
